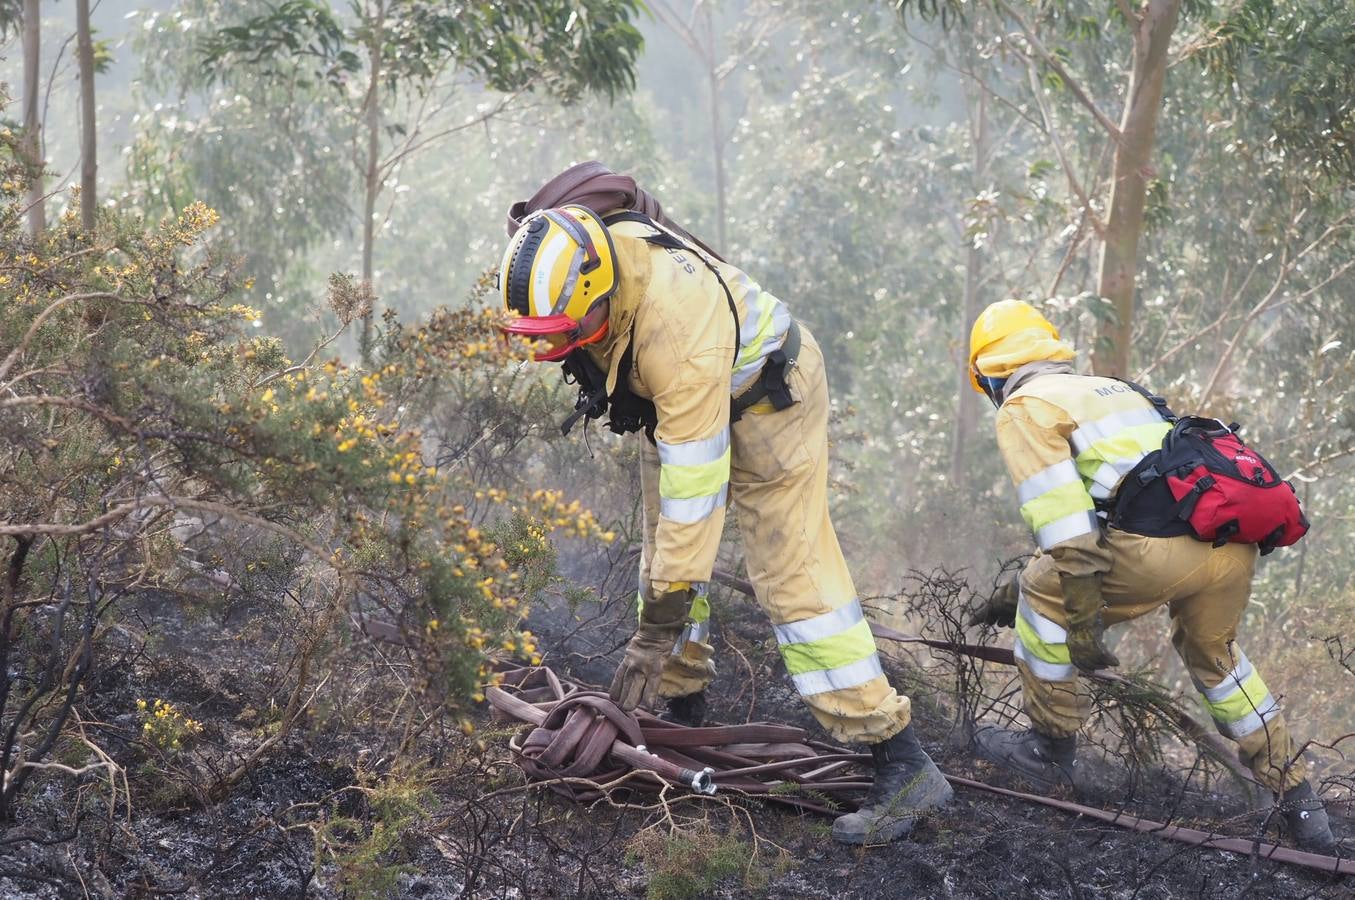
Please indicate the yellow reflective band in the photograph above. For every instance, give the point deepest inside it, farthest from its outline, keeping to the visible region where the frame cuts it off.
(839, 679)
(842, 649)
(1060, 473)
(1067, 528)
(1042, 670)
(1245, 699)
(700, 480)
(752, 349)
(1059, 503)
(700, 609)
(1129, 443)
(690, 453)
(1050, 653)
(1109, 426)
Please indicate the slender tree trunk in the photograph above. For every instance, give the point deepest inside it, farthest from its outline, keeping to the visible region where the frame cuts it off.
(717, 135)
(372, 174)
(32, 142)
(1129, 191)
(89, 161)
(967, 409)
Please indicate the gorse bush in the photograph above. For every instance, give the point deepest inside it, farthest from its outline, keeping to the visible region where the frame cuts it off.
(154, 444)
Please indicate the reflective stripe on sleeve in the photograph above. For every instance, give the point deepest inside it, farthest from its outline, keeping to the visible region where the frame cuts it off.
(765, 323)
(1109, 426)
(692, 509)
(1059, 503)
(1066, 529)
(694, 453)
(697, 479)
(1107, 476)
(1057, 475)
(693, 477)
(700, 608)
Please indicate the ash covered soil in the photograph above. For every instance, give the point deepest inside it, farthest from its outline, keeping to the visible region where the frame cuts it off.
(485, 835)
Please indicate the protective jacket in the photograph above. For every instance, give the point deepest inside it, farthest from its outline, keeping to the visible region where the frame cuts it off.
(672, 313)
(1068, 440)
(693, 357)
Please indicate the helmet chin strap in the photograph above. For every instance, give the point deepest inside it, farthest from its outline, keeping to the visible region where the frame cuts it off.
(992, 387)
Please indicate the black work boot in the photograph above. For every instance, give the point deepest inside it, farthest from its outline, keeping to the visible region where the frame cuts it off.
(689, 710)
(1046, 761)
(907, 783)
(1305, 820)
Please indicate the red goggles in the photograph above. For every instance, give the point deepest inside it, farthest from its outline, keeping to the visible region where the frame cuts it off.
(559, 331)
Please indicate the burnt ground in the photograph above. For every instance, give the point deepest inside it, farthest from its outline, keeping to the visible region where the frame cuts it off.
(482, 833)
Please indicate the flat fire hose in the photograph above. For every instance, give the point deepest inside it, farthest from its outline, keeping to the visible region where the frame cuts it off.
(581, 745)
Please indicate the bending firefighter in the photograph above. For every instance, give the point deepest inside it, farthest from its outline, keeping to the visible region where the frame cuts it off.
(1068, 440)
(731, 393)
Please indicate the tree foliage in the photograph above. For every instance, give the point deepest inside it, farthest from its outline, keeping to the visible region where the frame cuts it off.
(569, 48)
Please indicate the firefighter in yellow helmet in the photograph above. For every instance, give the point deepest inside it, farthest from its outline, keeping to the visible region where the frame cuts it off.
(667, 338)
(1067, 441)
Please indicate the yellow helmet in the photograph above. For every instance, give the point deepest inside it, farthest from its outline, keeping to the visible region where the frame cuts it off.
(1005, 319)
(558, 266)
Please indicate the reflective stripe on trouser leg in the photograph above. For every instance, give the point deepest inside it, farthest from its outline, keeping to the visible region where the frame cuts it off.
(832, 651)
(1240, 703)
(1054, 698)
(1244, 709)
(693, 668)
(779, 486)
(1204, 632)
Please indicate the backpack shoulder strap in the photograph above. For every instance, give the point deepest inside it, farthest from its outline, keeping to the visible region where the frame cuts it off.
(660, 238)
(669, 241)
(1159, 402)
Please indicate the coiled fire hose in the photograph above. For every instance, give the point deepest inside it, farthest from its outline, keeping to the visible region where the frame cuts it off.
(581, 745)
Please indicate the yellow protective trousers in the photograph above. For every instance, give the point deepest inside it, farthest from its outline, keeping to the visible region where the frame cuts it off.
(1205, 591)
(779, 487)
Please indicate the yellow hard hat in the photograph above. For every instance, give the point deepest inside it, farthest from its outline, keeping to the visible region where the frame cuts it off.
(1001, 320)
(558, 266)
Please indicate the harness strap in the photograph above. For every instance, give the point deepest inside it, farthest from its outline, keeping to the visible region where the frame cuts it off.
(670, 241)
(1159, 402)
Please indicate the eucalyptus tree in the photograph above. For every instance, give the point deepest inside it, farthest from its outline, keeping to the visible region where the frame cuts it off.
(89, 160)
(30, 19)
(1081, 50)
(394, 67)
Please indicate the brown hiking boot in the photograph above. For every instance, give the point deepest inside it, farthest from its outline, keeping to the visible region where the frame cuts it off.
(907, 783)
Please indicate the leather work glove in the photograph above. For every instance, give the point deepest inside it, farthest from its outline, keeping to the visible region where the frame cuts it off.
(636, 682)
(1082, 601)
(1000, 608)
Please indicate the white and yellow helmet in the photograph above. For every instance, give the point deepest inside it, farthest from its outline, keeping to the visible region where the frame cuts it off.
(558, 266)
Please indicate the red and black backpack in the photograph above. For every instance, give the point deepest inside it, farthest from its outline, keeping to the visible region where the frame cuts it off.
(1205, 482)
